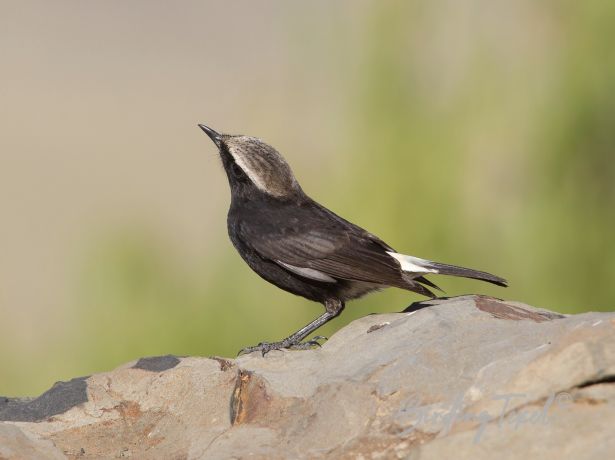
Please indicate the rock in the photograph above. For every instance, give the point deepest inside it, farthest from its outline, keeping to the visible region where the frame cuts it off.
(448, 378)
(17, 444)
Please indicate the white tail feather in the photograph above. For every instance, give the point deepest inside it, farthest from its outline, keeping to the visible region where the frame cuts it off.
(413, 264)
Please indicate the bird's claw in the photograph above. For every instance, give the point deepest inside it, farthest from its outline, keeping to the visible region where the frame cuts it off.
(266, 347)
(313, 342)
(263, 347)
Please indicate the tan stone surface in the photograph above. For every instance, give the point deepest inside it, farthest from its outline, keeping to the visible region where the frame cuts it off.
(464, 377)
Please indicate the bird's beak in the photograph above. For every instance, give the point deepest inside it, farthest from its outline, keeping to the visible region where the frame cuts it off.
(214, 136)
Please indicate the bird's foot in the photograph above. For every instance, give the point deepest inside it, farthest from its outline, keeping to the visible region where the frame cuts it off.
(266, 347)
(263, 347)
(314, 342)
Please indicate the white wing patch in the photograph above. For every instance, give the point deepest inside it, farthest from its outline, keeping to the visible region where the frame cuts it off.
(412, 264)
(308, 273)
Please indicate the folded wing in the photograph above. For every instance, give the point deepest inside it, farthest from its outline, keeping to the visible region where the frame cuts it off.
(330, 255)
(325, 247)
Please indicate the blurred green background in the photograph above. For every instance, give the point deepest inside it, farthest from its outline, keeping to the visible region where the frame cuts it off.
(479, 133)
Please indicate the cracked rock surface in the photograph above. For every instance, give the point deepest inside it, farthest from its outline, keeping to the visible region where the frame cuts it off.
(469, 376)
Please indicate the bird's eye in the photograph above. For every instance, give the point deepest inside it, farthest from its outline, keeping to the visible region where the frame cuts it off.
(236, 171)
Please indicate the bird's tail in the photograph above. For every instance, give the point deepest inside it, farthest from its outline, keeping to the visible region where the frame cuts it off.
(417, 265)
(453, 270)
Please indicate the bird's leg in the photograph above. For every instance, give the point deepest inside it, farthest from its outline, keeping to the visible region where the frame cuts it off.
(333, 307)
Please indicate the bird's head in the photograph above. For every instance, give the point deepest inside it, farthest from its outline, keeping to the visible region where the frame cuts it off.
(253, 166)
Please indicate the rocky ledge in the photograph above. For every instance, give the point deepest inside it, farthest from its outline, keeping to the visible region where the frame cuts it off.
(462, 377)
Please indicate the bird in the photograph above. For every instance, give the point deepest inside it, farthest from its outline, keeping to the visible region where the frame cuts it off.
(302, 247)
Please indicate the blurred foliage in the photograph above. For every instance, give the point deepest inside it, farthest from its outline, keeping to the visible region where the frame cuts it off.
(403, 182)
(476, 163)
